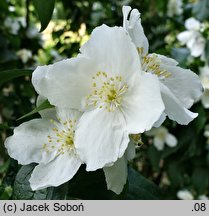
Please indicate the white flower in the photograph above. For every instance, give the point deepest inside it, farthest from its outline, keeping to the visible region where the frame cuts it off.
(206, 132)
(162, 137)
(174, 7)
(50, 143)
(12, 24)
(106, 83)
(178, 96)
(24, 55)
(116, 175)
(193, 38)
(204, 77)
(202, 197)
(185, 195)
(32, 32)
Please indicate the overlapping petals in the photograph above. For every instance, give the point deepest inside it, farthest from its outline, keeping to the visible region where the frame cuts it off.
(106, 82)
(177, 95)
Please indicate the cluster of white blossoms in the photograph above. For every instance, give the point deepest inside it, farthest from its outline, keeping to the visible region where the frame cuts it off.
(174, 7)
(112, 89)
(193, 37)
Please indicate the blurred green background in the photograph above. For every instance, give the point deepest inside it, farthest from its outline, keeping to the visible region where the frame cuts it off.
(183, 167)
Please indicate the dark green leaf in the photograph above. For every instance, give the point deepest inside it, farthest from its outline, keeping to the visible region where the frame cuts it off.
(4, 167)
(42, 106)
(4, 126)
(181, 55)
(207, 50)
(154, 157)
(11, 74)
(140, 188)
(89, 185)
(199, 122)
(175, 174)
(200, 179)
(22, 190)
(45, 11)
(201, 9)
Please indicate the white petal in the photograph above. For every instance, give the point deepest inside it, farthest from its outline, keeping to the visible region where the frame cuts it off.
(134, 28)
(184, 84)
(205, 98)
(185, 195)
(65, 83)
(47, 113)
(142, 106)
(126, 10)
(116, 175)
(170, 140)
(130, 152)
(174, 108)
(198, 47)
(112, 49)
(192, 24)
(166, 60)
(159, 122)
(26, 144)
(185, 36)
(158, 143)
(55, 173)
(64, 114)
(101, 138)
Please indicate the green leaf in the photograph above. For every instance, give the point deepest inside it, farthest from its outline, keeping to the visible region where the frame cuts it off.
(89, 185)
(140, 188)
(22, 190)
(200, 179)
(154, 157)
(42, 106)
(207, 50)
(45, 11)
(175, 174)
(201, 9)
(11, 74)
(4, 126)
(181, 55)
(199, 122)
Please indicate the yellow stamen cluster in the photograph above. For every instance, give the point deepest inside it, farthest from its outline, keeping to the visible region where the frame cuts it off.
(106, 91)
(136, 138)
(151, 64)
(61, 138)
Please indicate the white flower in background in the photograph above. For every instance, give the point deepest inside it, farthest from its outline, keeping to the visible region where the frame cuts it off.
(177, 95)
(204, 77)
(193, 38)
(50, 143)
(24, 55)
(174, 7)
(106, 83)
(185, 195)
(206, 134)
(12, 24)
(162, 137)
(202, 197)
(32, 32)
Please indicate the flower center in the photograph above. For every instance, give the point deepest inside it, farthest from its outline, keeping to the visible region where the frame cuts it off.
(61, 138)
(151, 64)
(107, 91)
